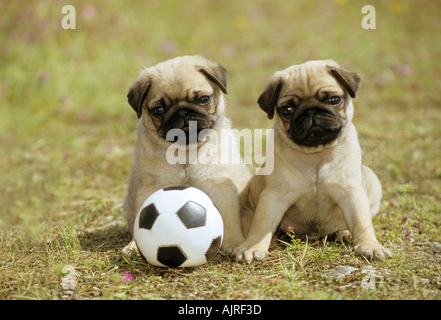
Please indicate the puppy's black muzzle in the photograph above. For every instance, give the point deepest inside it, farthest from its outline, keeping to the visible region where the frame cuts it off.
(315, 125)
(179, 117)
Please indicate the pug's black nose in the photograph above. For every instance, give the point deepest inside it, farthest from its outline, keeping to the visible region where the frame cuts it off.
(311, 113)
(182, 114)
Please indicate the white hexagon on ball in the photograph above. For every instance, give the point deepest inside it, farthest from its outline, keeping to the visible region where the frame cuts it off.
(178, 227)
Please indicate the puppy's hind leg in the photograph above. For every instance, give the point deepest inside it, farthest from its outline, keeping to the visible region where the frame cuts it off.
(246, 212)
(373, 189)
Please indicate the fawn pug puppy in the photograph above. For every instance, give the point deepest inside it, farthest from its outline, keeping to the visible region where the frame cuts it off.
(172, 95)
(319, 185)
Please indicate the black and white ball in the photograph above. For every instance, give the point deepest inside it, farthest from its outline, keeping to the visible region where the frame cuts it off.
(178, 227)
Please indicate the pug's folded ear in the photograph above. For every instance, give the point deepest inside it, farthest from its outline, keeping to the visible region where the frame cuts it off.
(350, 80)
(137, 94)
(268, 99)
(216, 73)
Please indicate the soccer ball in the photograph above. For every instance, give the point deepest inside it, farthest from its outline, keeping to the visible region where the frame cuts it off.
(178, 227)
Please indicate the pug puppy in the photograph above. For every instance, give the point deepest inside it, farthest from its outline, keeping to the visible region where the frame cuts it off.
(319, 185)
(174, 95)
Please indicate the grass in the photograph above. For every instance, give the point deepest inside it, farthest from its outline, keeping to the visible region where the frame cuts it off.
(67, 139)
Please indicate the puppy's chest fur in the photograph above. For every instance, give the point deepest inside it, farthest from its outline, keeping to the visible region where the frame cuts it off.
(315, 212)
(190, 173)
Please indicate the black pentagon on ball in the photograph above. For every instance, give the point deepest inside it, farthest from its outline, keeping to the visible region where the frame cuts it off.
(192, 215)
(171, 256)
(214, 248)
(175, 188)
(148, 216)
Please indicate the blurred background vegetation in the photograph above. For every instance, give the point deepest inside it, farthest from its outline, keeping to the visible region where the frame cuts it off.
(67, 132)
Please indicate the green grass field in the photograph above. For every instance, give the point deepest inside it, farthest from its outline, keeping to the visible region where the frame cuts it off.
(67, 140)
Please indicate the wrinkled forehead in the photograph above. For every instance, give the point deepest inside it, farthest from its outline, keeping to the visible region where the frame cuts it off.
(309, 80)
(179, 83)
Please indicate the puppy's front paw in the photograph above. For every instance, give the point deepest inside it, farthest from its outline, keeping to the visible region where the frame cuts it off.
(228, 245)
(131, 249)
(247, 253)
(372, 250)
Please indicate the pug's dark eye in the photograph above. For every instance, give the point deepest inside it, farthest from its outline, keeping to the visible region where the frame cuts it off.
(287, 111)
(334, 101)
(204, 100)
(158, 111)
